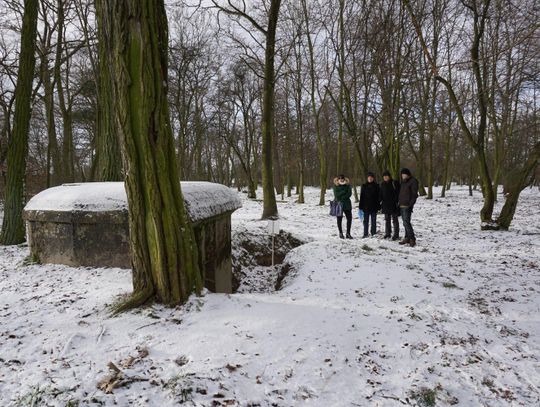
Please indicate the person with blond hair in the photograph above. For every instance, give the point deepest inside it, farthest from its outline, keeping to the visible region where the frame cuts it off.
(342, 194)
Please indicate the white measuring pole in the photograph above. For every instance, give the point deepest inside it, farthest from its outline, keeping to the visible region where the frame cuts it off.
(273, 229)
(273, 250)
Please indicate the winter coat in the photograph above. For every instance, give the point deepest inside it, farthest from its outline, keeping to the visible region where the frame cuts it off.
(408, 192)
(369, 197)
(342, 193)
(390, 197)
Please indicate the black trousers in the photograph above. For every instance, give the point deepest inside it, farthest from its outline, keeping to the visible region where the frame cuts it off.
(391, 219)
(370, 217)
(406, 214)
(348, 215)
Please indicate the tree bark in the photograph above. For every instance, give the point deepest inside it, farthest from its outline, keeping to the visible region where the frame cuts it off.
(109, 163)
(13, 230)
(162, 244)
(269, 193)
(517, 181)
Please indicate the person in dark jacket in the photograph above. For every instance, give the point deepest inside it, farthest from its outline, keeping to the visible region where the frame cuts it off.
(390, 205)
(342, 193)
(408, 193)
(370, 203)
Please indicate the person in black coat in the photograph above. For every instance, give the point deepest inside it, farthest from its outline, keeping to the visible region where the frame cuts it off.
(390, 205)
(408, 193)
(370, 203)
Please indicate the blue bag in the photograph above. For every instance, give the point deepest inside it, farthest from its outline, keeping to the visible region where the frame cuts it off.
(360, 214)
(336, 208)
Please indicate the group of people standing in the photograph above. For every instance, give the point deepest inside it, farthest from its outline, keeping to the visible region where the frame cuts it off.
(391, 197)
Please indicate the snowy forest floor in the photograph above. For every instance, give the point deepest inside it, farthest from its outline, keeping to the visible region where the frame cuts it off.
(453, 321)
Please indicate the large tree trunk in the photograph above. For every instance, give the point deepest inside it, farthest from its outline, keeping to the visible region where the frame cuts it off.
(13, 231)
(108, 150)
(162, 244)
(269, 194)
(517, 180)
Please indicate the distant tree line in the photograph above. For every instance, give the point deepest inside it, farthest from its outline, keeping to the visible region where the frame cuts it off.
(285, 94)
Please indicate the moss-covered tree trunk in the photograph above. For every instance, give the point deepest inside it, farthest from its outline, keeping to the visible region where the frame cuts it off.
(269, 194)
(109, 164)
(162, 243)
(13, 231)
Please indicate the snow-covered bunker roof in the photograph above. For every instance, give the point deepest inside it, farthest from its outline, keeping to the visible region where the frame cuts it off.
(203, 200)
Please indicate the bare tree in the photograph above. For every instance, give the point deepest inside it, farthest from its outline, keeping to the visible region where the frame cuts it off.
(239, 10)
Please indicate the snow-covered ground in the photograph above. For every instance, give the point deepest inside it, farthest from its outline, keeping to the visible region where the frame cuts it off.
(455, 320)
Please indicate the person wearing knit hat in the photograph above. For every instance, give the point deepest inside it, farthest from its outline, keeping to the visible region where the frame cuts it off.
(390, 205)
(408, 193)
(370, 203)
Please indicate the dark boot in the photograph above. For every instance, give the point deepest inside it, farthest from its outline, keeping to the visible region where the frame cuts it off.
(395, 238)
(405, 241)
(348, 236)
(387, 236)
(412, 242)
(341, 235)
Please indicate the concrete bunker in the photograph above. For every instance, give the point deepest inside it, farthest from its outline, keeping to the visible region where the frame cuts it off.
(86, 224)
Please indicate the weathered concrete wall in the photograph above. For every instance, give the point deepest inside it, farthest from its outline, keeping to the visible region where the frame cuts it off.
(90, 239)
(100, 238)
(214, 240)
